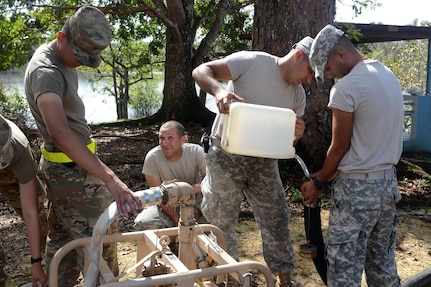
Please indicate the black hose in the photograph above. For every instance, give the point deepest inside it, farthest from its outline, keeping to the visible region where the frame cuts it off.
(421, 279)
(313, 230)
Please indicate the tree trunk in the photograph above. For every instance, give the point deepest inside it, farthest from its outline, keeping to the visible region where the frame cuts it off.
(122, 106)
(122, 99)
(277, 26)
(180, 101)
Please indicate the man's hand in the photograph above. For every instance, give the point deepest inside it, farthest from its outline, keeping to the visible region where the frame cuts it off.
(310, 193)
(37, 275)
(223, 100)
(124, 197)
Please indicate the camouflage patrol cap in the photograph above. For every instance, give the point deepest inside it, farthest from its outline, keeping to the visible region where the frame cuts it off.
(304, 45)
(90, 33)
(6, 150)
(322, 45)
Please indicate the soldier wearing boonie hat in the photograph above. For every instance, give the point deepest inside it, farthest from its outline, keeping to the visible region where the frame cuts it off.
(89, 32)
(322, 46)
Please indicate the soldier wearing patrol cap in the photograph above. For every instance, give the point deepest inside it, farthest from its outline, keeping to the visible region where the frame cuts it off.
(367, 139)
(80, 185)
(257, 78)
(21, 187)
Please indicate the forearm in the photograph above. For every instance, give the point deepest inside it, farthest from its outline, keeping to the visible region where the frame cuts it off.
(33, 233)
(30, 212)
(208, 76)
(330, 166)
(342, 125)
(210, 85)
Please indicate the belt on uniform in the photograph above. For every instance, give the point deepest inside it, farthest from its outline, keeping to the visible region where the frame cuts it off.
(61, 157)
(375, 175)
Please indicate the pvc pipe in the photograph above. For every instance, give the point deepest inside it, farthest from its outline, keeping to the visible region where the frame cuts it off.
(421, 279)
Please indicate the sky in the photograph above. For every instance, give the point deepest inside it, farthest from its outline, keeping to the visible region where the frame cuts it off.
(392, 12)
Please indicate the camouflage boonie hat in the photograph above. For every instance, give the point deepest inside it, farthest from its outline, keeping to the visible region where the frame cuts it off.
(322, 45)
(6, 150)
(90, 33)
(304, 45)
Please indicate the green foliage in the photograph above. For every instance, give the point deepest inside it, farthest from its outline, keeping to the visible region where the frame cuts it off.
(235, 25)
(359, 6)
(13, 103)
(135, 52)
(407, 59)
(135, 28)
(229, 39)
(19, 33)
(325, 201)
(145, 98)
(294, 194)
(139, 36)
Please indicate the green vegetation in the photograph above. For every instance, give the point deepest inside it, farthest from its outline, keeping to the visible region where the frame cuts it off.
(14, 106)
(407, 59)
(146, 98)
(146, 39)
(294, 194)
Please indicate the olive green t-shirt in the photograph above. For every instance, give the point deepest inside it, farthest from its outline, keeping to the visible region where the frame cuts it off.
(46, 73)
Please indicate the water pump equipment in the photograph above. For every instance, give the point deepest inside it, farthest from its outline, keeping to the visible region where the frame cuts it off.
(201, 259)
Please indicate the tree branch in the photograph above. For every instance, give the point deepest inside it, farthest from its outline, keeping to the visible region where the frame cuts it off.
(212, 34)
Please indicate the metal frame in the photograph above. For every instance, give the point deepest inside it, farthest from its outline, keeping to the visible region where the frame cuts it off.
(195, 248)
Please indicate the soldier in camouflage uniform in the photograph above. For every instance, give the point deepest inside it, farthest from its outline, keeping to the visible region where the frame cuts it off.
(80, 185)
(256, 78)
(367, 140)
(21, 187)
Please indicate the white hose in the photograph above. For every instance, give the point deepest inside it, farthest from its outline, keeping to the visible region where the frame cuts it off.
(148, 198)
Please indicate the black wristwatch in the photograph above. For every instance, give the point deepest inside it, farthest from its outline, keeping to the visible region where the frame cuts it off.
(319, 184)
(35, 260)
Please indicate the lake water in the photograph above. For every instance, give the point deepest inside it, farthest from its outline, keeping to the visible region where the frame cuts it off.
(99, 106)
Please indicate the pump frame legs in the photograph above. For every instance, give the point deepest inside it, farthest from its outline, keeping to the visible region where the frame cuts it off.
(182, 276)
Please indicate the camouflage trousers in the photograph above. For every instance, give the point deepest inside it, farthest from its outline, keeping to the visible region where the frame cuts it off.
(9, 188)
(77, 199)
(231, 176)
(362, 231)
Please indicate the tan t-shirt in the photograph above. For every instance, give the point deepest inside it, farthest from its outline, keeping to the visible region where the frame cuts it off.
(257, 80)
(186, 169)
(372, 93)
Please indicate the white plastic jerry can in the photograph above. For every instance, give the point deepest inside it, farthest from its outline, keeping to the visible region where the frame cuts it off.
(260, 131)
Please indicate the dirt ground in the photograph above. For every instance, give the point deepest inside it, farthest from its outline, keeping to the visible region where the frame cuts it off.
(124, 149)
